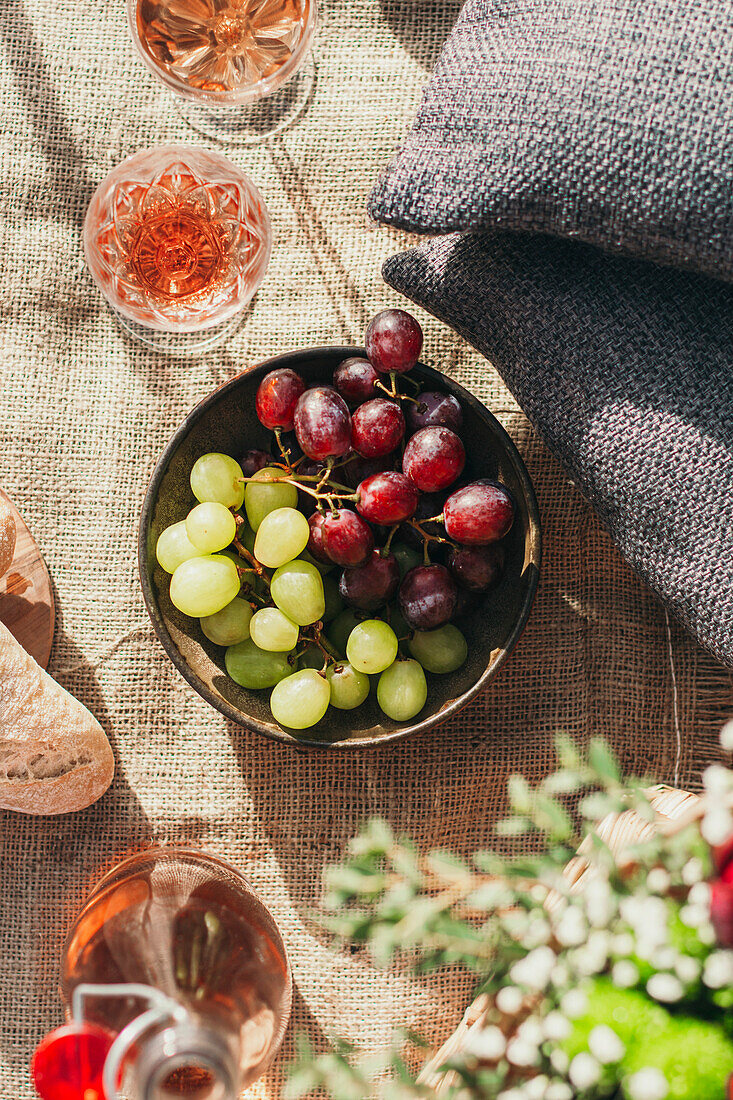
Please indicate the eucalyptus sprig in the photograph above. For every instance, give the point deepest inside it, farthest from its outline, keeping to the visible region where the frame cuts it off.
(616, 991)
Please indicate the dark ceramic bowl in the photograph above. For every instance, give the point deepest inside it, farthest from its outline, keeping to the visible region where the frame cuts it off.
(225, 421)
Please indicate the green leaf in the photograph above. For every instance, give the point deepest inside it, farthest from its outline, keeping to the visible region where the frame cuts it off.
(603, 761)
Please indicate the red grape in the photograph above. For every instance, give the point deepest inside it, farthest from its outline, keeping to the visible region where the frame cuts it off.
(356, 468)
(476, 567)
(721, 911)
(277, 397)
(433, 459)
(387, 498)
(315, 539)
(434, 410)
(377, 427)
(254, 460)
(428, 597)
(346, 537)
(479, 513)
(393, 341)
(354, 379)
(372, 584)
(466, 603)
(322, 423)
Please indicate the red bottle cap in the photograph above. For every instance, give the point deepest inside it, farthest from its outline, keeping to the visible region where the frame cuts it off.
(68, 1064)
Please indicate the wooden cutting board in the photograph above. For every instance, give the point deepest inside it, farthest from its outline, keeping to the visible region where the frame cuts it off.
(26, 597)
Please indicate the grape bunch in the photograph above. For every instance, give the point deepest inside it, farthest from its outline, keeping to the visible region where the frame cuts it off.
(347, 551)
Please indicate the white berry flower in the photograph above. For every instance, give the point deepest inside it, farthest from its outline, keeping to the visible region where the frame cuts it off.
(693, 871)
(536, 1087)
(560, 975)
(521, 1053)
(572, 928)
(605, 1045)
(531, 1031)
(584, 1071)
(726, 736)
(511, 1094)
(538, 932)
(625, 974)
(700, 894)
(658, 880)
(533, 971)
(592, 957)
(509, 1000)
(623, 944)
(687, 968)
(717, 779)
(559, 1061)
(693, 915)
(664, 958)
(647, 1084)
(488, 1044)
(600, 902)
(556, 1026)
(558, 1090)
(717, 825)
(665, 987)
(574, 1003)
(718, 971)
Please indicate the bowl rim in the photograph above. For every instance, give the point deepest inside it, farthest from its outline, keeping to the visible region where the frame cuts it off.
(290, 359)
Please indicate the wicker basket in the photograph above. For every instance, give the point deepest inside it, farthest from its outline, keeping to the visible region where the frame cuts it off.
(674, 809)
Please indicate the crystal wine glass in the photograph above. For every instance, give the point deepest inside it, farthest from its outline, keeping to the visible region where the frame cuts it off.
(240, 69)
(178, 240)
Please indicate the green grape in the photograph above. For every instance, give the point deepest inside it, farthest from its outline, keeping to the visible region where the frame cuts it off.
(252, 667)
(203, 586)
(271, 630)
(211, 527)
(261, 497)
(312, 657)
(217, 477)
(174, 547)
(300, 700)
(297, 589)
(407, 558)
(349, 688)
(441, 650)
(230, 625)
(402, 690)
(341, 627)
(332, 596)
(281, 536)
(372, 646)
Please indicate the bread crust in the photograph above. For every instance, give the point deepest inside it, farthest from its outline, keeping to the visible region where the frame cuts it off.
(54, 756)
(7, 536)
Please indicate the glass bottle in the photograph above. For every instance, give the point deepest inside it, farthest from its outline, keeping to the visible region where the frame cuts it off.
(189, 927)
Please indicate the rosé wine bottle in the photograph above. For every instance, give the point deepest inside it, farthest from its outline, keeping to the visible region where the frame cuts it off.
(188, 927)
(240, 69)
(178, 240)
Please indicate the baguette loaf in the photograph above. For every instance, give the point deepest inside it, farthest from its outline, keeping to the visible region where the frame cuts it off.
(7, 536)
(54, 755)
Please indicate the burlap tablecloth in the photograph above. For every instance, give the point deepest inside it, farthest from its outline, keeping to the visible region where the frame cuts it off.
(83, 416)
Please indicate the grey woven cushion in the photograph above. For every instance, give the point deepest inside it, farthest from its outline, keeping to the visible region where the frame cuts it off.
(626, 370)
(610, 121)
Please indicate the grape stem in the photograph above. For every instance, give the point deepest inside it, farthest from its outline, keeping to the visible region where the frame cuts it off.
(285, 453)
(393, 531)
(343, 491)
(256, 566)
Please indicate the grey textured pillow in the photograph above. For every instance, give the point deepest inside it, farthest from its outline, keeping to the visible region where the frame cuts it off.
(626, 370)
(609, 121)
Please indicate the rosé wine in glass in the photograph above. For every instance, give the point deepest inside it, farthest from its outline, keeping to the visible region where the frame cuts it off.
(227, 54)
(178, 240)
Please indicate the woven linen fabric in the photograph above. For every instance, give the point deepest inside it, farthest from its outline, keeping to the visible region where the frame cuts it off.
(607, 121)
(626, 369)
(84, 415)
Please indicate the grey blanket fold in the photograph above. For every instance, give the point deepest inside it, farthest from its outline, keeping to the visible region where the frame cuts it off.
(626, 370)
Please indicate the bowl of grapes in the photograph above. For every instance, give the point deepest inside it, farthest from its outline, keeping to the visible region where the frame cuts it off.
(340, 547)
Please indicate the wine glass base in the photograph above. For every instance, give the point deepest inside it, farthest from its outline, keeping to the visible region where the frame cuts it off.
(182, 345)
(249, 124)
